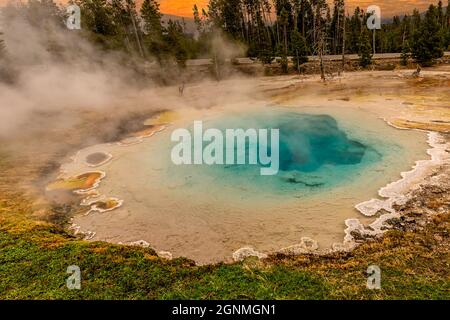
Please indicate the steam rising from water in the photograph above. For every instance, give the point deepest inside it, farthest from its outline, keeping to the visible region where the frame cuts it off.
(51, 69)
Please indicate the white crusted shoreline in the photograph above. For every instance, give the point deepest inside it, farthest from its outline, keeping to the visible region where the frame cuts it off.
(396, 193)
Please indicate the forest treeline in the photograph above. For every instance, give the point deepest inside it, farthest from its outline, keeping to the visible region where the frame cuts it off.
(266, 28)
(299, 28)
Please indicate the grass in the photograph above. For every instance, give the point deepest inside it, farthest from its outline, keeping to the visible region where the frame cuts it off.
(34, 256)
(32, 266)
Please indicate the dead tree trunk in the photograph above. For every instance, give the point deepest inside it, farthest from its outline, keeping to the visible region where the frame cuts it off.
(138, 40)
(343, 45)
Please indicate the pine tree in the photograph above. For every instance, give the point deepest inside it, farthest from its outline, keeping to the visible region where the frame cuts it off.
(106, 24)
(198, 20)
(365, 49)
(405, 53)
(152, 29)
(266, 53)
(447, 28)
(299, 49)
(354, 29)
(97, 17)
(135, 24)
(440, 14)
(231, 18)
(283, 49)
(447, 15)
(427, 39)
(337, 26)
(151, 18)
(176, 43)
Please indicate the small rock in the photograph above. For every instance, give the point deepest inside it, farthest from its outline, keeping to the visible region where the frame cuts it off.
(140, 243)
(246, 252)
(165, 255)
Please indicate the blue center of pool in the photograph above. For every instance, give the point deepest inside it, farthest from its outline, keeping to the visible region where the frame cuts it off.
(307, 142)
(315, 153)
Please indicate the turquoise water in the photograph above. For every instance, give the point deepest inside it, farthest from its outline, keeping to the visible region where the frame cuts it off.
(316, 154)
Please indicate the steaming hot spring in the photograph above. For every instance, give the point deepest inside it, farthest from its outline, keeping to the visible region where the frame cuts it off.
(333, 161)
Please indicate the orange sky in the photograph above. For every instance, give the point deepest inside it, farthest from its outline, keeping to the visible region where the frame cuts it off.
(389, 7)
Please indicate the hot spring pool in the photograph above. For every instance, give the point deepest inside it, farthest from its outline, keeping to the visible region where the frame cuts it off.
(330, 160)
(315, 156)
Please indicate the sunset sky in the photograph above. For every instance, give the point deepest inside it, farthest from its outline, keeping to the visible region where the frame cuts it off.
(389, 7)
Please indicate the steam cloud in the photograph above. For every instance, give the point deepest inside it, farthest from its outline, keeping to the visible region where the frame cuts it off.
(50, 69)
